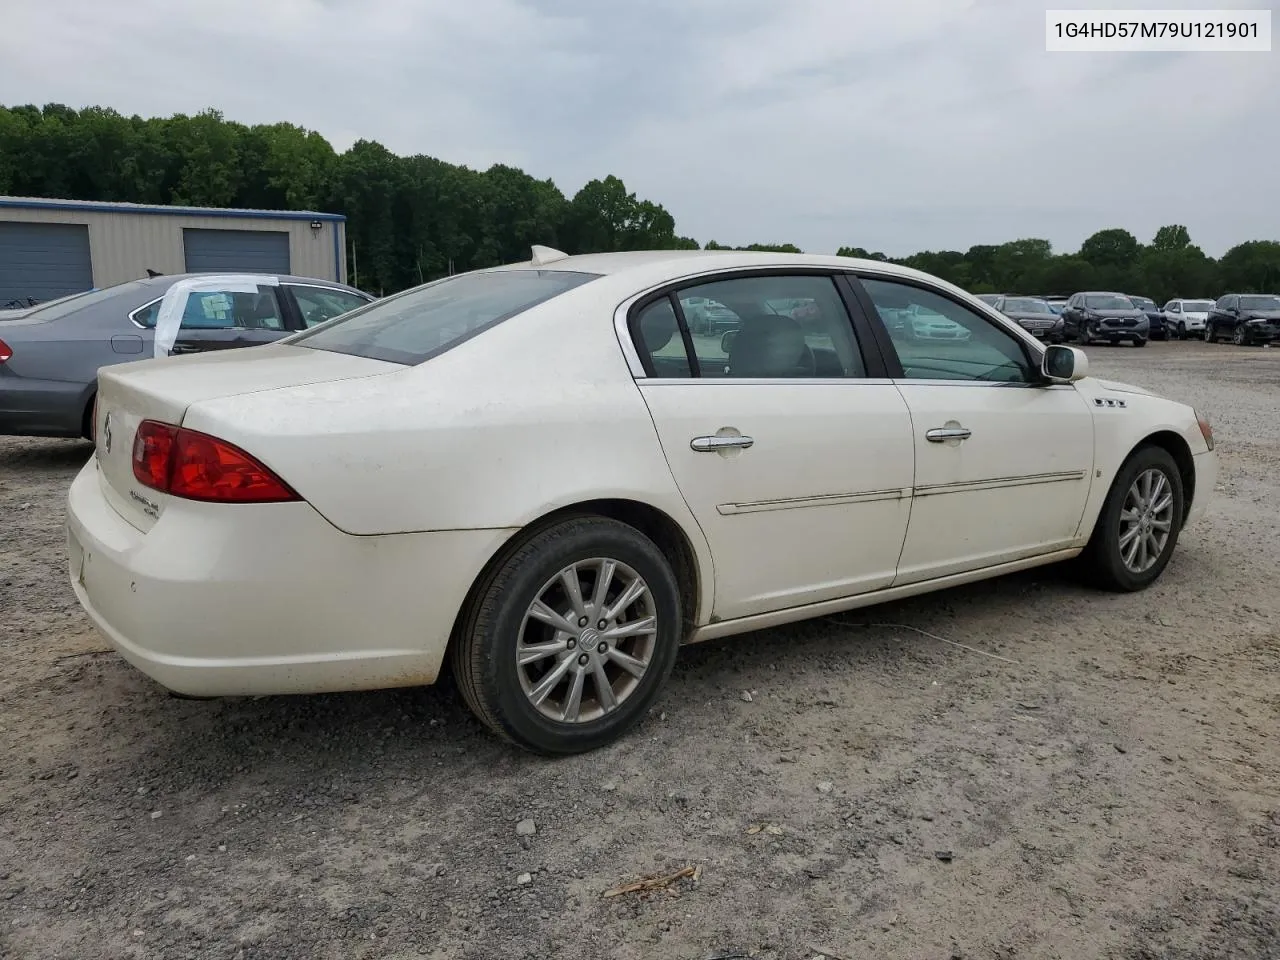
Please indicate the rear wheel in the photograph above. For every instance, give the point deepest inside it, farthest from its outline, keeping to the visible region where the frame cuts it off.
(571, 637)
(86, 419)
(1139, 525)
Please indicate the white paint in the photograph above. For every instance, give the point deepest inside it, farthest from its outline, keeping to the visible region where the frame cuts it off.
(414, 477)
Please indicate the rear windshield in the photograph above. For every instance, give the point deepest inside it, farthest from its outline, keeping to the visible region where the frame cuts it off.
(54, 309)
(426, 321)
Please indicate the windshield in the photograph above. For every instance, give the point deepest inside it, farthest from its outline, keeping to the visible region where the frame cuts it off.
(1260, 303)
(1143, 303)
(1026, 305)
(426, 321)
(1197, 306)
(1108, 301)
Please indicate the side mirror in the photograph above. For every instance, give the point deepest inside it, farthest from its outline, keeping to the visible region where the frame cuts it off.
(726, 341)
(1064, 364)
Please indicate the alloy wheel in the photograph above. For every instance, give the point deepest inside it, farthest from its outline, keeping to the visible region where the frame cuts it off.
(1146, 520)
(587, 640)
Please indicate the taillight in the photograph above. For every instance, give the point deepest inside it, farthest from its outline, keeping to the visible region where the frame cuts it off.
(185, 463)
(6, 351)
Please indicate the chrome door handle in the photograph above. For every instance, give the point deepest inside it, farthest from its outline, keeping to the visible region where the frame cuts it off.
(712, 444)
(943, 434)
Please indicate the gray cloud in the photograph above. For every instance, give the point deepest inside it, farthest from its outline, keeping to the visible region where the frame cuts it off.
(895, 126)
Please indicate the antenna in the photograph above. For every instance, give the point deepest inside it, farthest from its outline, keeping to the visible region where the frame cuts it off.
(543, 255)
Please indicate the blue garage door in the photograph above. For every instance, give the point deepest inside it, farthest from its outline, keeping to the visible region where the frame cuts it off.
(43, 261)
(238, 251)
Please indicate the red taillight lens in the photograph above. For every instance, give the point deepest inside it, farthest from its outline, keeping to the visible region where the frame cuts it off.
(6, 351)
(152, 451)
(196, 466)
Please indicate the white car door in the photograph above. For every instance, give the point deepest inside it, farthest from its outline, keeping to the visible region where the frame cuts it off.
(1003, 462)
(796, 464)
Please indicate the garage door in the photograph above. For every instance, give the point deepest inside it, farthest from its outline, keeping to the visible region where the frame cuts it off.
(241, 251)
(43, 261)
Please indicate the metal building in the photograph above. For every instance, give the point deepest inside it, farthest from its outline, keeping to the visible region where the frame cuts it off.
(51, 248)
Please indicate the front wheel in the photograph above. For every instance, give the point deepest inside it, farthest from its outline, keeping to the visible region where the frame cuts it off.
(1239, 337)
(1139, 525)
(571, 637)
(1140, 342)
(1181, 332)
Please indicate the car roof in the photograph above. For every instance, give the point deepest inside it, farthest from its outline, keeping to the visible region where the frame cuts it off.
(167, 279)
(674, 264)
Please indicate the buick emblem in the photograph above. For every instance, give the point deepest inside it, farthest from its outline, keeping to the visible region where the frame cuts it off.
(106, 434)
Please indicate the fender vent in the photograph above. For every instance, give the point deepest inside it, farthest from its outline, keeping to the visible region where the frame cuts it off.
(1108, 402)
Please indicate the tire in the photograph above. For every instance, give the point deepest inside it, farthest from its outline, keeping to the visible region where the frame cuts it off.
(1140, 342)
(1102, 560)
(1082, 335)
(86, 420)
(497, 625)
(1181, 333)
(1239, 336)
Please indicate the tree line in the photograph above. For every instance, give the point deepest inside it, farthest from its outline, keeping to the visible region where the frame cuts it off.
(414, 218)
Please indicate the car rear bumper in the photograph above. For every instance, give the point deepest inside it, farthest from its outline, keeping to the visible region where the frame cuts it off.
(42, 408)
(250, 599)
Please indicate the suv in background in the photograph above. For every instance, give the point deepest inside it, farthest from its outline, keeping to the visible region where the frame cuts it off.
(1103, 315)
(1247, 318)
(1183, 318)
(1034, 315)
(1155, 317)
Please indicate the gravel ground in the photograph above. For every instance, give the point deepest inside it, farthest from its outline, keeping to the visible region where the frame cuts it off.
(1111, 792)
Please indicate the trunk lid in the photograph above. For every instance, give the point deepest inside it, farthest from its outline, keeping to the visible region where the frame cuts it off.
(164, 389)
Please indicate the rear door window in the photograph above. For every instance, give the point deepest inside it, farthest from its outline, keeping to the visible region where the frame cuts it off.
(221, 310)
(426, 321)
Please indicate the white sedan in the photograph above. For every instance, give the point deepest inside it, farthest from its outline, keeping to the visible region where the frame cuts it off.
(538, 474)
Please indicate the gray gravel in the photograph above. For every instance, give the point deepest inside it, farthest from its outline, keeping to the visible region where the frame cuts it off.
(1112, 793)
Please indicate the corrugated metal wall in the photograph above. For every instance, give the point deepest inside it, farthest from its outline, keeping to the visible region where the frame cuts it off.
(124, 245)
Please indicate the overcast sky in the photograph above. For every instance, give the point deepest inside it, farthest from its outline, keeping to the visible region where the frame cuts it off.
(895, 125)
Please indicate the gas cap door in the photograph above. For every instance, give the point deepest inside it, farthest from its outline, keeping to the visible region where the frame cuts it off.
(125, 343)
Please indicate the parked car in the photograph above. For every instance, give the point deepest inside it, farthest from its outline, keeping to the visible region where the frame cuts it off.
(991, 298)
(1155, 317)
(1056, 301)
(1245, 318)
(50, 356)
(927, 324)
(530, 472)
(1185, 318)
(1109, 317)
(1034, 315)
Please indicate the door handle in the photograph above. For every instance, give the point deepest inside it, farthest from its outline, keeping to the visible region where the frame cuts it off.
(943, 434)
(713, 444)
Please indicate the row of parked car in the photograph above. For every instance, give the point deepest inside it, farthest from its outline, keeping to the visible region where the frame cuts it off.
(1109, 317)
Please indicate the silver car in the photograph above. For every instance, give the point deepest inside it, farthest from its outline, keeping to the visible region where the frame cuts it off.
(50, 354)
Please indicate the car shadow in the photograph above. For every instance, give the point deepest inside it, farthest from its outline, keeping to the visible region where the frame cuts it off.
(36, 453)
(351, 737)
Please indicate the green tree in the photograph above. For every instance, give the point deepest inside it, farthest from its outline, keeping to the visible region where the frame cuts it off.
(1252, 267)
(1172, 237)
(1115, 247)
